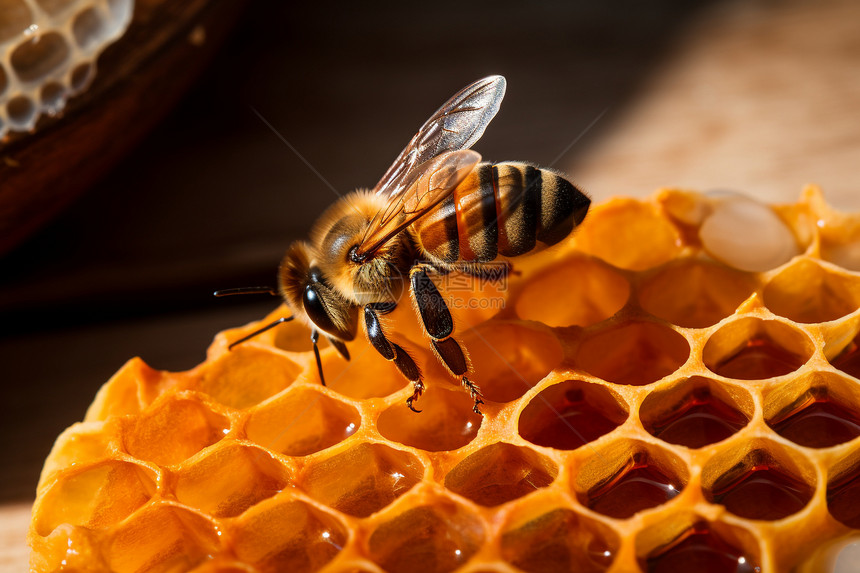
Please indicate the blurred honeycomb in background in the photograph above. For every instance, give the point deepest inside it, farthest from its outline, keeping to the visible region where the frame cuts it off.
(660, 396)
(48, 51)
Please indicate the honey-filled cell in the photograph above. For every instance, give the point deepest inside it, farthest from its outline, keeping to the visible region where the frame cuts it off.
(703, 549)
(500, 473)
(436, 537)
(447, 421)
(571, 414)
(635, 352)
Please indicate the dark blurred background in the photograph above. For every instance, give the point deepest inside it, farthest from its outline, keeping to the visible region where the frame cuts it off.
(215, 193)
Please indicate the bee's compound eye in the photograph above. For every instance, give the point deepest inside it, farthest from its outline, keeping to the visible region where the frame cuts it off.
(315, 308)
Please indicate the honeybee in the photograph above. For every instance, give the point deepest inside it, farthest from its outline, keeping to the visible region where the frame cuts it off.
(438, 209)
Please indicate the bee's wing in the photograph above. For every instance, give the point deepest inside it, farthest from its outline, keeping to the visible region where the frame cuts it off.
(458, 124)
(437, 179)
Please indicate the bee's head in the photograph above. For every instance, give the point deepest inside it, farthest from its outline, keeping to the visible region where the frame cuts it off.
(312, 299)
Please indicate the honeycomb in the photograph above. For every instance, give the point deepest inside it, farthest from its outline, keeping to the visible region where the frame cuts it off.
(48, 51)
(656, 399)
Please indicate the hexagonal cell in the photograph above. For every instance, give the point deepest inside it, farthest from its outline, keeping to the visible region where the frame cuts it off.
(755, 349)
(288, 535)
(695, 412)
(747, 234)
(21, 110)
(816, 411)
(81, 76)
(88, 29)
(843, 490)
(246, 376)
(627, 477)
(301, 422)
(432, 538)
(499, 473)
(508, 358)
(584, 292)
(172, 430)
(629, 234)
(16, 19)
(848, 360)
(447, 421)
(363, 479)
(808, 292)
(162, 538)
(36, 58)
(559, 540)
(53, 96)
(95, 496)
(635, 352)
(759, 479)
(230, 479)
(694, 293)
(571, 414)
(366, 374)
(707, 548)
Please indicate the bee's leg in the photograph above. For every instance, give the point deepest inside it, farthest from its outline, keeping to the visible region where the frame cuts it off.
(439, 325)
(391, 351)
(315, 338)
(492, 271)
(340, 347)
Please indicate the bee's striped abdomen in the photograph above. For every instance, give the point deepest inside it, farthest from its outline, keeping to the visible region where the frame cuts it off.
(504, 209)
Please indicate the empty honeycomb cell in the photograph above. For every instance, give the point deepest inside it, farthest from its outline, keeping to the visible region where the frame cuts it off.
(626, 477)
(173, 429)
(629, 234)
(20, 110)
(88, 29)
(705, 547)
(751, 348)
(52, 95)
(432, 538)
(583, 291)
(696, 412)
(247, 378)
(817, 411)
(634, 352)
(95, 496)
(81, 76)
(229, 479)
(500, 473)
(571, 414)
(38, 57)
(363, 479)
(508, 359)
(302, 422)
(695, 293)
(447, 421)
(808, 292)
(287, 535)
(162, 538)
(4, 80)
(759, 479)
(348, 377)
(16, 18)
(559, 540)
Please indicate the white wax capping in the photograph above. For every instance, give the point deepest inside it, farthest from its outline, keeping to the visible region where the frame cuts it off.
(48, 50)
(746, 234)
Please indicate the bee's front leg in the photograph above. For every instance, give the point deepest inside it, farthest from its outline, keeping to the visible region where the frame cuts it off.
(439, 325)
(391, 351)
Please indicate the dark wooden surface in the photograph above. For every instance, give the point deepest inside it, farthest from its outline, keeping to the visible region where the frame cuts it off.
(214, 195)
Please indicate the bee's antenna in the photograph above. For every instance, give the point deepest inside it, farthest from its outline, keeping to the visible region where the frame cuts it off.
(246, 290)
(315, 337)
(264, 329)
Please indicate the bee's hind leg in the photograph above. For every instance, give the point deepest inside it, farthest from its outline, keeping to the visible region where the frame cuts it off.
(391, 351)
(439, 325)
